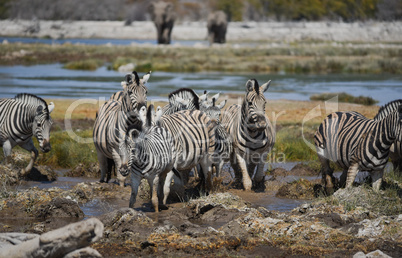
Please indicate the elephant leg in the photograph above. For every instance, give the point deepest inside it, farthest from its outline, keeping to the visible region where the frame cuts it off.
(376, 176)
(351, 176)
(29, 146)
(135, 183)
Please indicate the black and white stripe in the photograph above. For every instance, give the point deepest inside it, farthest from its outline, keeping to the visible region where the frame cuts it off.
(194, 142)
(357, 143)
(151, 154)
(181, 99)
(396, 149)
(114, 117)
(20, 118)
(252, 134)
(135, 87)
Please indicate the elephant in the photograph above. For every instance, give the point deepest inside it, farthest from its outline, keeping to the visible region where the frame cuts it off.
(217, 25)
(163, 15)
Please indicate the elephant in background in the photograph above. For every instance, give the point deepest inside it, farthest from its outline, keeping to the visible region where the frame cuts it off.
(163, 15)
(217, 25)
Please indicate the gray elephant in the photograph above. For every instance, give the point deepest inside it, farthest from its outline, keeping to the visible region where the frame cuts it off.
(163, 15)
(217, 25)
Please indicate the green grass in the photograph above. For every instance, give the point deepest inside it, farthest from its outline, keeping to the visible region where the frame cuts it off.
(304, 57)
(345, 97)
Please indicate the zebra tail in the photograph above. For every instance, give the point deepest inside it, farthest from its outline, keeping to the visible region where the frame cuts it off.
(177, 173)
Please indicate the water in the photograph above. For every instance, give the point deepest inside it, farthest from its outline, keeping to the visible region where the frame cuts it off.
(53, 81)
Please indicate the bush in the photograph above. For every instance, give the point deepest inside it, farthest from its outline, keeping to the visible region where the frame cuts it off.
(345, 97)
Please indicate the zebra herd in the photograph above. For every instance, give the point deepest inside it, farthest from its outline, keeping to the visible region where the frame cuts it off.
(192, 132)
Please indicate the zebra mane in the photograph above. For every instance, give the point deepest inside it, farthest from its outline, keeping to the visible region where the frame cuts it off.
(187, 94)
(32, 100)
(256, 86)
(387, 109)
(150, 114)
(136, 78)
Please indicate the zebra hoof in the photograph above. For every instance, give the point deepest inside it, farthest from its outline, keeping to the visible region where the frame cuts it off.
(102, 181)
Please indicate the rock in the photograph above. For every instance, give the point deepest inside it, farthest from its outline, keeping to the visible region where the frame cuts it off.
(59, 208)
(42, 173)
(374, 254)
(303, 170)
(84, 252)
(300, 189)
(279, 172)
(59, 242)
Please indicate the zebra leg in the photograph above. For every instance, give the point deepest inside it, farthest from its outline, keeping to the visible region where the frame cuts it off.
(352, 172)
(343, 178)
(376, 176)
(206, 169)
(7, 147)
(154, 183)
(117, 163)
(29, 146)
(259, 177)
(327, 174)
(166, 186)
(103, 165)
(135, 183)
(247, 184)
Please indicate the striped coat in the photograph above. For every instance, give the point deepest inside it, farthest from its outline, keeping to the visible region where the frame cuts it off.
(22, 117)
(181, 99)
(151, 155)
(356, 143)
(114, 117)
(252, 134)
(194, 142)
(396, 148)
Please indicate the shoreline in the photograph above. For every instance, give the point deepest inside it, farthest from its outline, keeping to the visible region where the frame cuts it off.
(370, 32)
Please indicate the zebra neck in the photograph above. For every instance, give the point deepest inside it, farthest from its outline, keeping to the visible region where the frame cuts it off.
(243, 123)
(387, 129)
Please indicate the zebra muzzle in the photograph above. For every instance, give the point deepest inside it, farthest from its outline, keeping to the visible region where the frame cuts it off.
(45, 147)
(124, 171)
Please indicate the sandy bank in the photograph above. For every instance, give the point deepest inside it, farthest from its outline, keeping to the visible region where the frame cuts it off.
(237, 31)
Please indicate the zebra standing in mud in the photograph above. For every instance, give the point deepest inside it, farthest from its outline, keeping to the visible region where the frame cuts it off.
(223, 141)
(22, 117)
(114, 117)
(252, 134)
(194, 142)
(151, 154)
(396, 148)
(356, 143)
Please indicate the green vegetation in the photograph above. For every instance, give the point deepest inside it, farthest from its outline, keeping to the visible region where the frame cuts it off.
(317, 58)
(345, 97)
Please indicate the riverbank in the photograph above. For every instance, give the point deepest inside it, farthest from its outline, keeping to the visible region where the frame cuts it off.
(371, 31)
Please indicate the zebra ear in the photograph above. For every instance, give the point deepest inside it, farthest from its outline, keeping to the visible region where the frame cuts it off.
(222, 104)
(203, 97)
(129, 78)
(216, 96)
(145, 78)
(50, 107)
(158, 114)
(143, 114)
(250, 85)
(265, 86)
(150, 114)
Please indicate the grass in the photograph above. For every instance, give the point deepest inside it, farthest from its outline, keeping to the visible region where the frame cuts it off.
(345, 97)
(290, 58)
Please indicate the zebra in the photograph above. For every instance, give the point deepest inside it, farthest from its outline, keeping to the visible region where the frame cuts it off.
(357, 143)
(223, 141)
(396, 148)
(181, 99)
(252, 134)
(22, 117)
(194, 141)
(151, 154)
(114, 117)
(135, 88)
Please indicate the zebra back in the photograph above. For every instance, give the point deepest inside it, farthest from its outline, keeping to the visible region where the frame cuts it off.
(193, 135)
(347, 138)
(181, 99)
(388, 108)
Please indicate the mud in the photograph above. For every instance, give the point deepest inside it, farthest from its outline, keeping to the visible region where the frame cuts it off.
(227, 222)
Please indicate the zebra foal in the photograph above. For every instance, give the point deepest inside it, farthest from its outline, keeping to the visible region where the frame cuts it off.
(22, 117)
(356, 143)
(252, 134)
(151, 154)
